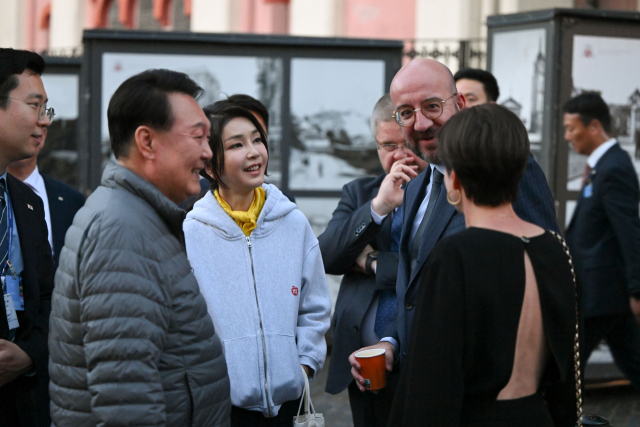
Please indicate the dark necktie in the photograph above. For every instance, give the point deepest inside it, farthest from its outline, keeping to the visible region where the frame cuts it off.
(585, 175)
(433, 198)
(396, 228)
(388, 300)
(4, 243)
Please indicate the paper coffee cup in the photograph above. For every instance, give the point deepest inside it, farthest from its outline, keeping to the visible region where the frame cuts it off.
(372, 368)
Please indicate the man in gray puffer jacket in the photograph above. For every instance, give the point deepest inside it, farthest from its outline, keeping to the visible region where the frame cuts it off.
(131, 343)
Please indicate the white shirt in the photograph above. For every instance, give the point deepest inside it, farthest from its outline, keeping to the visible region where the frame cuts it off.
(36, 182)
(597, 154)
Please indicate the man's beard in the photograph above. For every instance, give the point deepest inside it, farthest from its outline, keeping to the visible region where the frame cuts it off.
(431, 156)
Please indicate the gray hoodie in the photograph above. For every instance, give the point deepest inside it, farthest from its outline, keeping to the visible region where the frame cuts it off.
(267, 295)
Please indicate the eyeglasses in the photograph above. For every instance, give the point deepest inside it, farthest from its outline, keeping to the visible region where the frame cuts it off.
(42, 108)
(390, 146)
(431, 109)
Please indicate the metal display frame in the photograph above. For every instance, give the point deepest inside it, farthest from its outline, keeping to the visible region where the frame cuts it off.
(98, 42)
(62, 65)
(561, 26)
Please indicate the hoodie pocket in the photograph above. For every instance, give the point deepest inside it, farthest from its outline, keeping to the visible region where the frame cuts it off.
(285, 375)
(243, 363)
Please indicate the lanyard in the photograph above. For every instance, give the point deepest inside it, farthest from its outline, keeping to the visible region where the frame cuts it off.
(9, 233)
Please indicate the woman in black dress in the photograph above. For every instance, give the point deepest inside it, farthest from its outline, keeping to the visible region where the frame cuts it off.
(492, 341)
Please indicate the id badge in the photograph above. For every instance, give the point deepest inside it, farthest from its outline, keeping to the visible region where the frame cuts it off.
(588, 191)
(12, 316)
(14, 287)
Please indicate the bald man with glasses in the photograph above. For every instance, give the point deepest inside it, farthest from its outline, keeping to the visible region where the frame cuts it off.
(424, 96)
(360, 245)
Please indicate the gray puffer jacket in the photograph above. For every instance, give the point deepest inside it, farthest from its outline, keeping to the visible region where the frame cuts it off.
(131, 343)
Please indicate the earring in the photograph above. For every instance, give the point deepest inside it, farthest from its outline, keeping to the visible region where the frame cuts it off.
(451, 202)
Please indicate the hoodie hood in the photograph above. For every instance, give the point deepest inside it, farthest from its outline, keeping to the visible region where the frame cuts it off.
(208, 211)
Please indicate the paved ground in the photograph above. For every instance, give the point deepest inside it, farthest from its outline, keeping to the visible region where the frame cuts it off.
(620, 405)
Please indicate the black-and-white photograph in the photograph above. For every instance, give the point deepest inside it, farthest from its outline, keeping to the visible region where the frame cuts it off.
(219, 76)
(331, 102)
(518, 63)
(59, 156)
(608, 66)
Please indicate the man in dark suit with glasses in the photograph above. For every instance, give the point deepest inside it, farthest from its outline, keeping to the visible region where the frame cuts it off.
(359, 244)
(424, 95)
(25, 255)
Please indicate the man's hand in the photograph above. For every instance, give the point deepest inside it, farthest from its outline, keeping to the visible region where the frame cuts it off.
(307, 370)
(13, 362)
(362, 259)
(355, 366)
(635, 307)
(390, 194)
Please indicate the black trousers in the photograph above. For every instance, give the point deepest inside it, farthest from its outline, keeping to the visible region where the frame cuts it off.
(370, 409)
(245, 418)
(622, 333)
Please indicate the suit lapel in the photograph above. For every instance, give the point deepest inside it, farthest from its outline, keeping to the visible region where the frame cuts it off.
(440, 217)
(26, 217)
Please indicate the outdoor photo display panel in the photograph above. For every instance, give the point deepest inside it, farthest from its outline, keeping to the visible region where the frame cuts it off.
(59, 156)
(219, 76)
(611, 67)
(518, 64)
(331, 104)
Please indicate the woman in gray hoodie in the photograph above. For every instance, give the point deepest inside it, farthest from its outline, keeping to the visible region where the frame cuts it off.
(260, 270)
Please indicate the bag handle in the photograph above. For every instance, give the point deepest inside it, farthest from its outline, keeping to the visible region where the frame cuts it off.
(306, 397)
(576, 344)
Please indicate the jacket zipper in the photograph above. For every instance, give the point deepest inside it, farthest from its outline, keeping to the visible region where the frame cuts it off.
(264, 344)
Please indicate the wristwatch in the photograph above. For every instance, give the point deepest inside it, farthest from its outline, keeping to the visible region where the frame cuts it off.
(371, 256)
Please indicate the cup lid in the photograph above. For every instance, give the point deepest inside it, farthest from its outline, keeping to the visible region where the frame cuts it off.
(373, 352)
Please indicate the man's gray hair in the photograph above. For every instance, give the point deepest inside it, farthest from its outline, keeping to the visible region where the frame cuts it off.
(382, 112)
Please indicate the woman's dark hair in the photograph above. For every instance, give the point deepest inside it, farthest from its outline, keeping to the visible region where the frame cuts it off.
(488, 148)
(143, 99)
(219, 120)
(244, 101)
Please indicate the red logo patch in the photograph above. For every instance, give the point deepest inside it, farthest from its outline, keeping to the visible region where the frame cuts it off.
(294, 290)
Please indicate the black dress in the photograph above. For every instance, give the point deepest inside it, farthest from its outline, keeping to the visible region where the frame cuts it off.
(463, 339)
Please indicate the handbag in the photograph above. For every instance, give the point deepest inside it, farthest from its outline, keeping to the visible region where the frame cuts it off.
(310, 418)
(582, 420)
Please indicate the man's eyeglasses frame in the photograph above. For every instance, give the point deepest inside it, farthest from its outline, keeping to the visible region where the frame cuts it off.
(42, 108)
(430, 116)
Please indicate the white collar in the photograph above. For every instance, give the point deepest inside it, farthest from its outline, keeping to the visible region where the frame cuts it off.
(35, 181)
(597, 154)
(439, 167)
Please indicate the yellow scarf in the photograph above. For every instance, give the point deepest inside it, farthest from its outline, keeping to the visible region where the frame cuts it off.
(246, 220)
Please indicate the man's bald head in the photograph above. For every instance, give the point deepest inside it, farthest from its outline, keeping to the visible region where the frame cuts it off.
(423, 70)
(419, 81)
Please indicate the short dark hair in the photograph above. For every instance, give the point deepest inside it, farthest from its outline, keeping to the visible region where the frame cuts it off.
(219, 119)
(142, 100)
(14, 62)
(487, 79)
(244, 101)
(590, 106)
(488, 148)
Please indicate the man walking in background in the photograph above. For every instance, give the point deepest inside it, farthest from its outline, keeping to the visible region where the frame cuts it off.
(131, 341)
(604, 235)
(364, 247)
